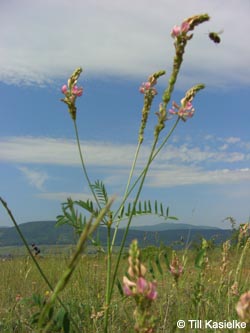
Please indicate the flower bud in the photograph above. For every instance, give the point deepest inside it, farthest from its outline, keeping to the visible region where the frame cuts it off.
(175, 31)
(64, 89)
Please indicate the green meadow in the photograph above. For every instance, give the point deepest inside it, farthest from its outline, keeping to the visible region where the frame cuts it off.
(208, 288)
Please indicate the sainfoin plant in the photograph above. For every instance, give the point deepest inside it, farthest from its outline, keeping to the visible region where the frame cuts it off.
(181, 35)
(98, 206)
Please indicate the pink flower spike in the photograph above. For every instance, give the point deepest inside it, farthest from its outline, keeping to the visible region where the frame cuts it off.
(175, 31)
(64, 89)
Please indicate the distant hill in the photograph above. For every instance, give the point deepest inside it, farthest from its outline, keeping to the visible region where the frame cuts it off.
(39, 232)
(46, 233)
(171, 226)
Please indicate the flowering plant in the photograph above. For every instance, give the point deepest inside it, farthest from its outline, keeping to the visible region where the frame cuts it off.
(144, 292)
(135, 283)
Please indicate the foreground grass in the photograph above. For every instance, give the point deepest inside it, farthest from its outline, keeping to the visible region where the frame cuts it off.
(199, 293)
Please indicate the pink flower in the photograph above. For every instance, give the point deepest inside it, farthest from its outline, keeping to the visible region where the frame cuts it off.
(147, 87)
(184, 111)
(178, 30)
(128, 286)
(185, 27)
(176, 269)
(64, 89)
(71, 92)
(141, 287)
(152, 293)
(77, 91)
(175, 31)
(146, 288)
(144, 87)
(172, 111)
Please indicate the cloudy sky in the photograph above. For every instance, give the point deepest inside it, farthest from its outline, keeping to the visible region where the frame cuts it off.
(203, 173)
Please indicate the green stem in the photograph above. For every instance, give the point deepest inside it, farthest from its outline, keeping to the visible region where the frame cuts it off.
(166, 139)
(180, 48)
(35, 261)
(108, 277)
(144, 170)
(133, 167)
(143, 174)
(131, 216)
(125, 196)
(165, 98)
(83, 164)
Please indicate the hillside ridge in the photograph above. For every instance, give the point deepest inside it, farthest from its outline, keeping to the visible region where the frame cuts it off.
(46, 233)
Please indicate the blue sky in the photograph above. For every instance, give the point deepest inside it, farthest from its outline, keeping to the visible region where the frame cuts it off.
(203, 174)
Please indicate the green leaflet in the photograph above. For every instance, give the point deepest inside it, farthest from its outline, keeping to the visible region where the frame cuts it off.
(145, 208)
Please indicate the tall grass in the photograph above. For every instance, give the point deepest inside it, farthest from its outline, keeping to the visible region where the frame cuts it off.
(84, 296)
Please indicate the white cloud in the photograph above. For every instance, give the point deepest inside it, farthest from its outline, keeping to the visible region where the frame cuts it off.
(189, 154)
(43, 40)
(34, 177)
(63, 196)
(232, 139)
(182, 176)
(223, 147)
(59, 151)
(63, 152)
(177, 165)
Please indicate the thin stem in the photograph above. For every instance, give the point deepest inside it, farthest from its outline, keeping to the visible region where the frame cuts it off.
(131, 216)
(166, 138)
(126, 192)
(133, 167)
(35, 261)
(124, 240)
(143, 174)
(144, 170)
(108, 274)
(26, 244)
(165, 98)
(83, 164)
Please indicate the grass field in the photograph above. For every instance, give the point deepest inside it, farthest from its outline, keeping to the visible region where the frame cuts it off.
(208, 288)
